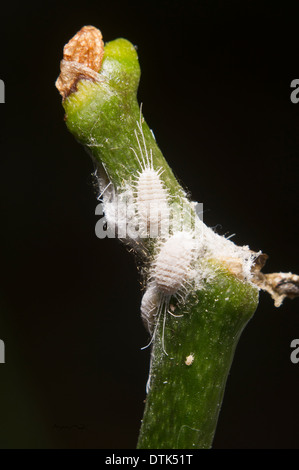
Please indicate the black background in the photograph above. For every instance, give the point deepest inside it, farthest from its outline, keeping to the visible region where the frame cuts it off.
(215, 88)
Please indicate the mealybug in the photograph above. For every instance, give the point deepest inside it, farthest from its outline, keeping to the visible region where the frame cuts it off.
(189, 360)
(171, 272)
(149, 307)
(150, 194)
(172, 264)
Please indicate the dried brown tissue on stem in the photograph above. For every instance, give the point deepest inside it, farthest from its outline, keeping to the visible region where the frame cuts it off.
(279, 285)
(82, 59)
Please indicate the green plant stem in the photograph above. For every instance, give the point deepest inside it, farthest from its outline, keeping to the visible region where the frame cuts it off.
(183, 403)
(102, 116)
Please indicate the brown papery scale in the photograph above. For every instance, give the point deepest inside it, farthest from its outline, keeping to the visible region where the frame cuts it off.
(82, 59)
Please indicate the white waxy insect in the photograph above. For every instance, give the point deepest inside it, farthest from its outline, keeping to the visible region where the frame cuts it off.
(170, 275)
(172, 267)
(152, 205)
(149, 307)
(189, 360)
(151, 195)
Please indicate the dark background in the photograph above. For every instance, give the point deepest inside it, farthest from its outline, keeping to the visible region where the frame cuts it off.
(215, 88)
